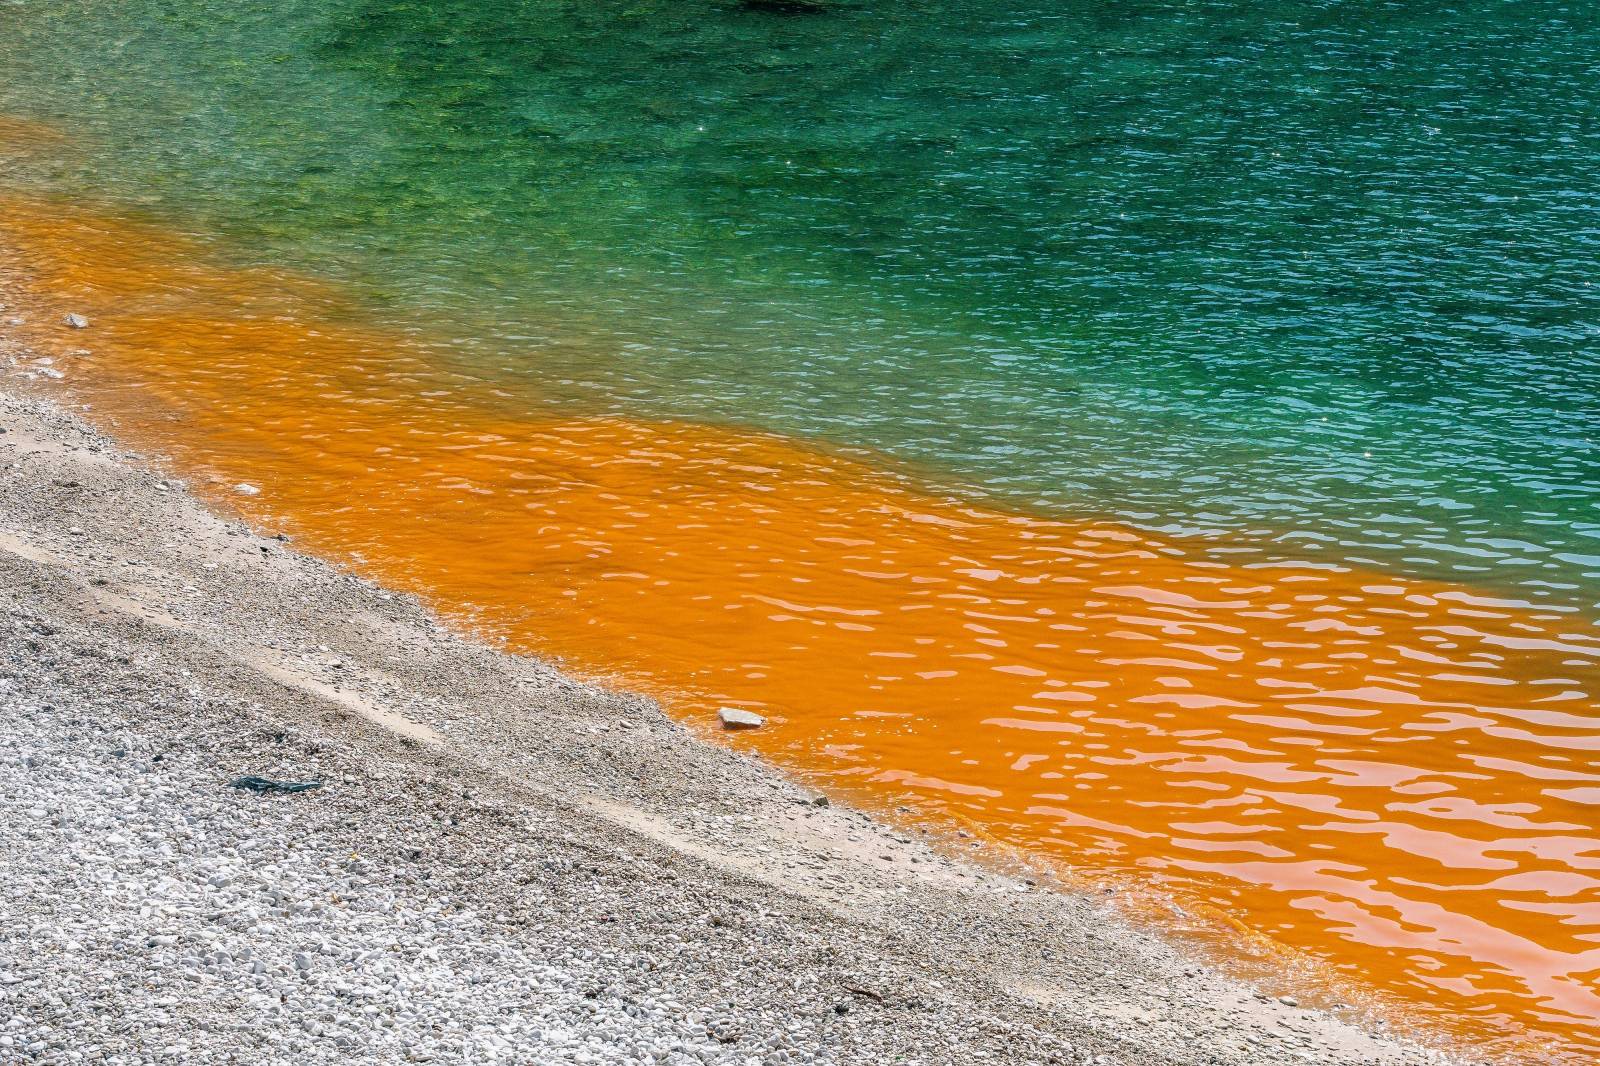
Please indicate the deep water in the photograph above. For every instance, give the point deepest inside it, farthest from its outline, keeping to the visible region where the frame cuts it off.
(1322, 271)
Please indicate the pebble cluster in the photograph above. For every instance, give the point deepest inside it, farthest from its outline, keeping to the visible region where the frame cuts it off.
(158, 915)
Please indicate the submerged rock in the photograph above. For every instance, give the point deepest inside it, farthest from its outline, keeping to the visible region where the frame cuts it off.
(77, 321)
(736, 719)
(785, 7)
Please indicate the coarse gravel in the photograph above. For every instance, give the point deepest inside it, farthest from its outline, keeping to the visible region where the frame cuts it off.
(501, 864)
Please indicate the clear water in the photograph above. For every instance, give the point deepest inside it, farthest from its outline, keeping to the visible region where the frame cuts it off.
(1316, 272)
(1321, 270)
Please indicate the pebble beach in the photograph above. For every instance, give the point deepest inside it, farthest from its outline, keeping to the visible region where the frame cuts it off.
(500, 864)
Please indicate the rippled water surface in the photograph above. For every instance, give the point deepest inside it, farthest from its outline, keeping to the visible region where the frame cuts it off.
(1323, 269)
(1163, 437)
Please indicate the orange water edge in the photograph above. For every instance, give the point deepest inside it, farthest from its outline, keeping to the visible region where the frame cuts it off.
(20, 136)
(1394, 775)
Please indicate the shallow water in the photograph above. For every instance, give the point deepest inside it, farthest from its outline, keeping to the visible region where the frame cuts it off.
(1389, 774)
(1299, 267)
(1035, 299)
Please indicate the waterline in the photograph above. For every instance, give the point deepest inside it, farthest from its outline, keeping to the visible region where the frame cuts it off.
(1387, 773)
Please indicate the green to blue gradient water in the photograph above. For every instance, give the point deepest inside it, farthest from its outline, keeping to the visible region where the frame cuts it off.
(1323, 271)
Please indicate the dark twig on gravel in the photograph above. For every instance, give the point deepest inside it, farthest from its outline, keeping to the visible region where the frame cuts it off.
(266, 784)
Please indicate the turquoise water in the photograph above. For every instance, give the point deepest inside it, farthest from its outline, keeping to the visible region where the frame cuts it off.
(1324, 271)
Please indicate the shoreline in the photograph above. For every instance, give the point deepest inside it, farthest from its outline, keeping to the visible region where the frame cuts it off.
(647, 554)
(505, 816)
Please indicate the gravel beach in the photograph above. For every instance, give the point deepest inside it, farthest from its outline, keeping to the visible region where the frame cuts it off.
(500, 864)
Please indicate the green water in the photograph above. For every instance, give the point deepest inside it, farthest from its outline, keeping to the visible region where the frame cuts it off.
(1318, 270)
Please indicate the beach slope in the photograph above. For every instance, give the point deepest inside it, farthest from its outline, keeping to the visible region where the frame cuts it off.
(500, 863)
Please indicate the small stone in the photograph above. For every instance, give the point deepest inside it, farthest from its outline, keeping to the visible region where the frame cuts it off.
(245, 489)
(77, 321)
(732, 718)
(1288, 1001)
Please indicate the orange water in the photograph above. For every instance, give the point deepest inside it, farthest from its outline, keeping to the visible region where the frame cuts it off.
(1395, 775)
(19, 135)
